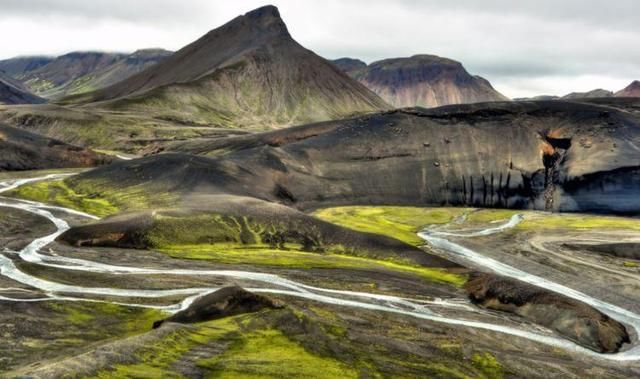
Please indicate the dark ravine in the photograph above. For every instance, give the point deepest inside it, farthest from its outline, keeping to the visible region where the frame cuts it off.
(574, 320)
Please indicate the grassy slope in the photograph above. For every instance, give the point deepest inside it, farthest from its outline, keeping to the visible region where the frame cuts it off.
(87, 198)
(290, 344)
(398, 222)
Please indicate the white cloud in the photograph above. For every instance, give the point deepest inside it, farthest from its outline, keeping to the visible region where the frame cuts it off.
(524, 48)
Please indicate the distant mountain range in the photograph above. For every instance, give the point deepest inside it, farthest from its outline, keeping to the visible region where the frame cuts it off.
(632, 90)
(79, 72)
(421, 80)
(588, 95)
(14, 92)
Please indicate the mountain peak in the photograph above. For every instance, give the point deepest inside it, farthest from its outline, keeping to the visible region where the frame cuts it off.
(264, 20)
(632, 90)
(265, 12)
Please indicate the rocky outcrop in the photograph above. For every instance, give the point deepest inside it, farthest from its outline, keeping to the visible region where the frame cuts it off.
(421, 80)
(225, 302)
(572, 319)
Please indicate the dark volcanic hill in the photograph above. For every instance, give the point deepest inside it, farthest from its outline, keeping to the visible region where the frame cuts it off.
(247, 72)
(22, 150)
(14, 92)
(552, 155)
(19, 66)
(632, 90)
(587, 95)
(421, 80)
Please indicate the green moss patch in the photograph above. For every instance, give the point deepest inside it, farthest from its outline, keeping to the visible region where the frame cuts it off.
(123, 320)
(488, 365)
(401, 223)
(57, 192)
(240, 346)
(269, 353)
(265, 255)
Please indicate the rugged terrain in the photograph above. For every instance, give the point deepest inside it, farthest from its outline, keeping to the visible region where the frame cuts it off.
(421, 80)
(367, 242)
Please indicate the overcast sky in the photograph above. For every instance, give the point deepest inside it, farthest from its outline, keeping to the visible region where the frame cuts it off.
(524, 48)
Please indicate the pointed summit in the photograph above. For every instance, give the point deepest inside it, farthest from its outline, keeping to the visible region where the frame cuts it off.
(268, 17)
(247, 73)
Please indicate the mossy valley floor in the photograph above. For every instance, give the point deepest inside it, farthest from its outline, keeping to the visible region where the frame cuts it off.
(305, 339)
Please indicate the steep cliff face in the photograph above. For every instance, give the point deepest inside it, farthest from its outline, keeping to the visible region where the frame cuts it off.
(421, 80)
(248, 72)
(544, 155)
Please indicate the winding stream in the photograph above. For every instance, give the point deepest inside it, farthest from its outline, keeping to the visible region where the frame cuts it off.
(421, 309)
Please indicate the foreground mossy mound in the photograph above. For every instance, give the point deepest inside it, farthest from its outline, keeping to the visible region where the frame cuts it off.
(236, 230)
